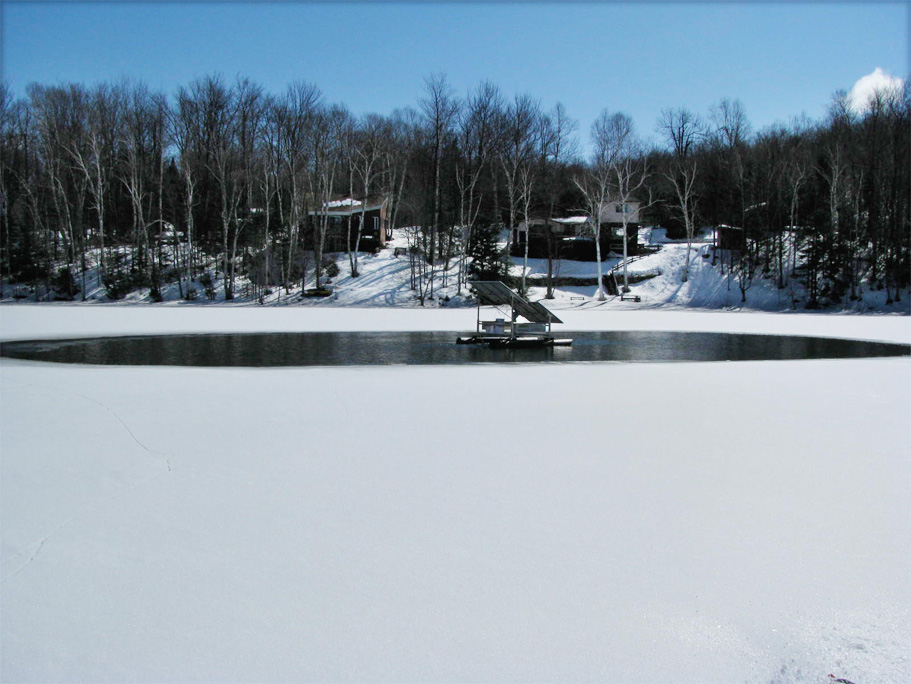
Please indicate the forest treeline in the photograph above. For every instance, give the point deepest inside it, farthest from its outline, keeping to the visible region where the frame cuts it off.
(154, 188)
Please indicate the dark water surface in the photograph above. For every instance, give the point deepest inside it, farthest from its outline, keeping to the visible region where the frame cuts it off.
(419, 348)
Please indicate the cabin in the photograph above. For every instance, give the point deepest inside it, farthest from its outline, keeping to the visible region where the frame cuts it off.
(347, 215)
(613, 213)
(555, 238)
(730, 237)
(572, 237)
(612, 216)
(541, 226)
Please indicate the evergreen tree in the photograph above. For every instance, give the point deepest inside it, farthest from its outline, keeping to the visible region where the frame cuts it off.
(488, 257)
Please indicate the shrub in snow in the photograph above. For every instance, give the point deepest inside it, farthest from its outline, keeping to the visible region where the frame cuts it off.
(118, 285)
(208, 285)
(64, 284)
(330, 268)
(172, 275)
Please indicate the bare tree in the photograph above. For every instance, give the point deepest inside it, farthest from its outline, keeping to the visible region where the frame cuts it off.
(402, 140)
(247, 129)
(303, 140)
(525, 184)
(269, 178)
(440, 108)
(186, 131)
(834, 169)
(559, 144)
(476, 130)
(7, 117)
(683, 131)
(596, 182)
(519, 142)
(367, 152)
(139, 162)
(219, 105)
(796, 174)
(329, 133)
(729, 135)
(630, 173)
(95, 161)
(56, 119)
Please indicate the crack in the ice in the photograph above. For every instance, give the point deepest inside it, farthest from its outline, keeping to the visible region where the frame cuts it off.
(73, 518)
(159, 456)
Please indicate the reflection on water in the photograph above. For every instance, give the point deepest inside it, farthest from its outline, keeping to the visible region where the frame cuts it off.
(417, 348)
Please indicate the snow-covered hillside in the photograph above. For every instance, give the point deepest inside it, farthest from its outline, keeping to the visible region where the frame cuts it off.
(658, 280)
(385, 280)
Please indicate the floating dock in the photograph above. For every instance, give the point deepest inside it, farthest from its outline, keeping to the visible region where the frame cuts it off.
(502, 334)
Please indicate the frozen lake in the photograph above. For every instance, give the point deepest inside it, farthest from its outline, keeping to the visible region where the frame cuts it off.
(611, 522)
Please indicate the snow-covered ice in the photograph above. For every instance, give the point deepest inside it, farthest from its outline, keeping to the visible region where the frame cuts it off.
(674, 522)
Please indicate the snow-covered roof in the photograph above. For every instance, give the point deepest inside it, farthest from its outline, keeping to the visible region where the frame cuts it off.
(571, 220)
(348, 206)
(347, 202)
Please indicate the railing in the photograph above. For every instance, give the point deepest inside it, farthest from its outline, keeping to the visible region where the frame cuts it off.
(503, 327)
(626, 262)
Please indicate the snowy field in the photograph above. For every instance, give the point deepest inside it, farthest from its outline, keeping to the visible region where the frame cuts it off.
(672, 522)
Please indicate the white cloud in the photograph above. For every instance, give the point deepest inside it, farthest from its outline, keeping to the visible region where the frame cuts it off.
(863, 90)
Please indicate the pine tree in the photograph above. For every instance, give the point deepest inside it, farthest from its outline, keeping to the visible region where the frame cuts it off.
(488, 258)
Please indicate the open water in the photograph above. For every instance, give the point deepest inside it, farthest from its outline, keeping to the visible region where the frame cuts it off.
(420, 348)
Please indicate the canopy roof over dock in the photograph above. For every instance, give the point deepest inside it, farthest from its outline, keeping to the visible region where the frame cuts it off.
(495, 293)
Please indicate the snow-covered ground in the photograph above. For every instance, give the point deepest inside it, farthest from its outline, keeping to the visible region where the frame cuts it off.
(385, 280)
(658, 281)
(673, 522)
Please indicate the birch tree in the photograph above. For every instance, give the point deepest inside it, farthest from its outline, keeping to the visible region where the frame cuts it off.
(683, 131)
(630, 173)
(595, 184)
(186, 130)
(95, 161)
(559, 146)
(303, 137)
(55, 122)
(476, 130)
(367, 153)
(142, 153)
(519, 140)
(440, 107)
(328, 137)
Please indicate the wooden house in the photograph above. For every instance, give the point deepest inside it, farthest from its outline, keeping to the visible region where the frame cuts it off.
(347, 216)
(572, 237)
(730, 237)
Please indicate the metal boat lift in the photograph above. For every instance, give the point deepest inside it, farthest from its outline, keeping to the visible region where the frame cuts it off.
(502, 333)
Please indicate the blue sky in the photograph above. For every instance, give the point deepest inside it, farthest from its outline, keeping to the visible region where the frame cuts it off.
(779, 59)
